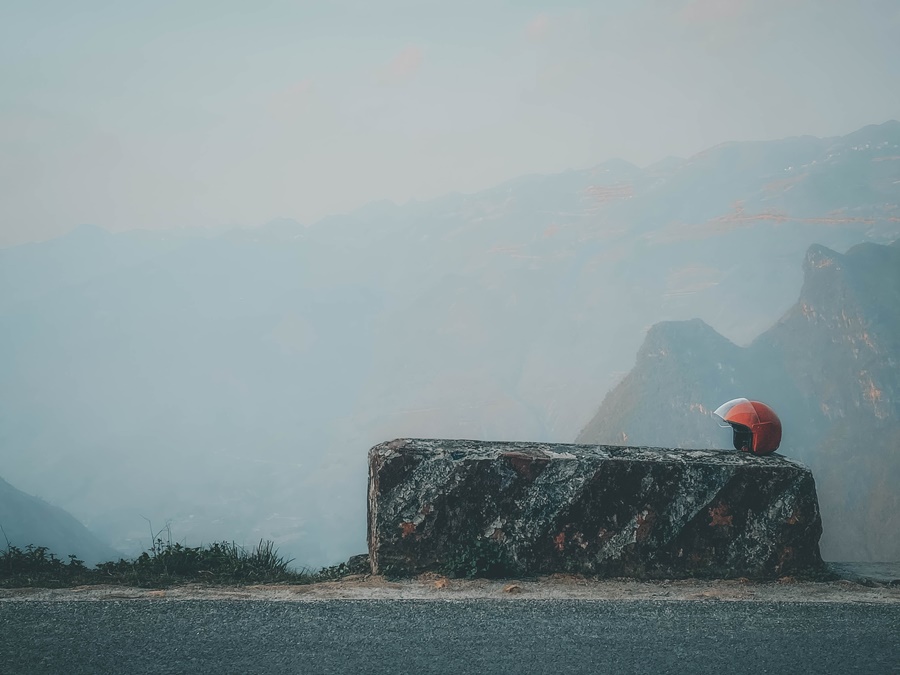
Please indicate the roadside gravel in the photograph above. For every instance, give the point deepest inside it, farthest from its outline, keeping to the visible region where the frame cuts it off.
(433, 587)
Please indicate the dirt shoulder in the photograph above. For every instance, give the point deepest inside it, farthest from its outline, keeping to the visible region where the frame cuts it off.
(432, 587)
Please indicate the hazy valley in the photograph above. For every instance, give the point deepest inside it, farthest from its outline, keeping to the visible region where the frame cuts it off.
(231, 382)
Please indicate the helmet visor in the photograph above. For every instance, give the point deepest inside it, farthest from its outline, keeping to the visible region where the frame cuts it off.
(722, 411)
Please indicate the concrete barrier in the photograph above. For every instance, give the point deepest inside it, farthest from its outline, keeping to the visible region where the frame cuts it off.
(477, 508)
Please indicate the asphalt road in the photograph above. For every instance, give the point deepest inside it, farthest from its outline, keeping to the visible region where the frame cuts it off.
(478, 636)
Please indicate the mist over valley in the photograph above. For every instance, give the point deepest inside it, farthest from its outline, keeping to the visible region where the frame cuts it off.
(229, 383)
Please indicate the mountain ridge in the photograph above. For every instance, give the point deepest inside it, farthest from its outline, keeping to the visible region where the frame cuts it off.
(828, 366)
(26, 520)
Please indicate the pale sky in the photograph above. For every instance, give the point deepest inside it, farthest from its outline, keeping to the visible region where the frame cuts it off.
(216, 112)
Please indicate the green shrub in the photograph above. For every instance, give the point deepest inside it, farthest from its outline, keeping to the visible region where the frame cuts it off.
(36, 566)
(166, 563)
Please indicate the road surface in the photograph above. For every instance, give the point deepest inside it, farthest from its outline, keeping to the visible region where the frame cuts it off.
(441, 636)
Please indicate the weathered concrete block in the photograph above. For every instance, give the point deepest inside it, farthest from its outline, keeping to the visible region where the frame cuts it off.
(472, 507)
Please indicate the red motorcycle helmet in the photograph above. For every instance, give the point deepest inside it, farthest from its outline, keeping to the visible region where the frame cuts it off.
(757, 428)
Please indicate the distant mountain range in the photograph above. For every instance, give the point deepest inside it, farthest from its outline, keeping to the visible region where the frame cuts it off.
(28, 520)
(232, 382)
(830, 367)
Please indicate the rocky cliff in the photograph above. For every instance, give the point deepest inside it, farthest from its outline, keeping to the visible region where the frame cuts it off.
(830, 367)
(501, 509)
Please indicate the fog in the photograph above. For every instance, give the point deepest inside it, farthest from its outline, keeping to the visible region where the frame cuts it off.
(313, 229)
(157, 115)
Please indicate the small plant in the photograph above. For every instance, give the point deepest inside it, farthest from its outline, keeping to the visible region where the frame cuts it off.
(333, 573)
(358, 565)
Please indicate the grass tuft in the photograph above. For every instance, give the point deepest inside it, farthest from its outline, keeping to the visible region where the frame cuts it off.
(165, 564)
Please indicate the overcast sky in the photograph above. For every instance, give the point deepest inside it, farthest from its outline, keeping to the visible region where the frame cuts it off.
(142, 114)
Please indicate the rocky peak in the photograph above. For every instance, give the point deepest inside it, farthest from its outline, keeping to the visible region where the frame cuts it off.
(830, 368)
